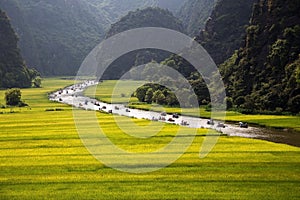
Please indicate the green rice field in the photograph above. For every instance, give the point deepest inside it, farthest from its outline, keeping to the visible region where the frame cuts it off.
(42, 157)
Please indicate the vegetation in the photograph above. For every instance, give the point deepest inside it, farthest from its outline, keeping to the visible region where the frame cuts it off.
(42, 157)
(13, 71)
(149, 17)
(13, 97)
(105, 89)
(194, 15)
(55, 36)
(262, 76)
(225, 30)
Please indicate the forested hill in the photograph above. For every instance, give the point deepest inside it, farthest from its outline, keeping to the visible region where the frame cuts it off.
(265, 73)
(225, 30)
(149, 17)
(194, 14)
(13, 72)
(56, 35)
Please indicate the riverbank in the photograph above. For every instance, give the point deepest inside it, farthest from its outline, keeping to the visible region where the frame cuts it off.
(74, 95)
(105, 90)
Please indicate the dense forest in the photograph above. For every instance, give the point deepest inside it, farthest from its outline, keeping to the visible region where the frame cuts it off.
(223, 34)
(194, 14)
(256, 45)
(56, 35)
(264, 73)
(225, 30)
(13, 71)
(149, 17)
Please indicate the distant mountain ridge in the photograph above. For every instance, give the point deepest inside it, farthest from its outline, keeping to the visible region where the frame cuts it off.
(56, 35)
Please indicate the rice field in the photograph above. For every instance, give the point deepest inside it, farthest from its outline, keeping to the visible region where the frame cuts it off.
(42, 157)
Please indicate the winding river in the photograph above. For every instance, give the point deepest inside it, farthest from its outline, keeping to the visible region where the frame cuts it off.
(73, 95)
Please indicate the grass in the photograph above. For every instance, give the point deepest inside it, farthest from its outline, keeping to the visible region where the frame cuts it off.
(42, 157)
(104, 91)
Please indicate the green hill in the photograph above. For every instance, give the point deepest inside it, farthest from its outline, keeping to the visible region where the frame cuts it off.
(225, 29)
(56, 35)
(194, 14)
(149, 17)
(13, 72)
(265, 73)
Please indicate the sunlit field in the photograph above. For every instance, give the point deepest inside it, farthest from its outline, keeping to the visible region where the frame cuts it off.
(42, 157)
(105, 89)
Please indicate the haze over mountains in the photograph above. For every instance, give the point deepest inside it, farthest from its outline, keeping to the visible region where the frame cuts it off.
(56, 35)
(255, 42)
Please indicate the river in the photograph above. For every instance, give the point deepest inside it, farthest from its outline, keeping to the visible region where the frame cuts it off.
(73, 95)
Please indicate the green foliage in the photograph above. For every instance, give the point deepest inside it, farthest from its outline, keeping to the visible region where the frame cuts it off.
(13, 72)
(37, 82)
(298, 72)
(159, 97)
(194, 14)
(149, 17)
(56, 35)
(13, 97)
(141, 93)
(225, 29)
(263, 75)
(149, 95)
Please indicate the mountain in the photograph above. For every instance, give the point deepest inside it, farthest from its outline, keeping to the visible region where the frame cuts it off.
(56, 35)
(194, 14)
(149, 17)
(225, 30)
(172, 5)
(265, 73)
(13, 72)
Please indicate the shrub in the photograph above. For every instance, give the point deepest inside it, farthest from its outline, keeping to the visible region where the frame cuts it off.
(13, 97)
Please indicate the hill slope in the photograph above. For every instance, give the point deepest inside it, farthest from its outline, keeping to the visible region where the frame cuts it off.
(194, 14)
(265, 73)
(225, 30)
(149, 17)
(56, 35)
(13, 72)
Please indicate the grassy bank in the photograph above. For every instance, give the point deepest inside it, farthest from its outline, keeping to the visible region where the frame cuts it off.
(42, 157)
(105, 89)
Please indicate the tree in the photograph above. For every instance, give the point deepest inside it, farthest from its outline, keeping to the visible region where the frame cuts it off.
(141, 93)
(37, 82)
(159, 97)
(13, 97)
(149, 95)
